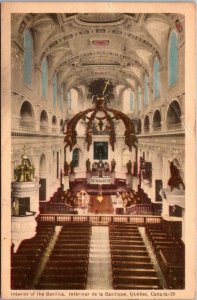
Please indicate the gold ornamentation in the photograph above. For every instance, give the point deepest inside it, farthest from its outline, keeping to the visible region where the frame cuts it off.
(24, 172)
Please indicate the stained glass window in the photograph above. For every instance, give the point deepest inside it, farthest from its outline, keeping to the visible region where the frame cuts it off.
(28, 58)
(61, 98)
(131, 101)
(44, 77)
(69, 100)
(156, 77)
(146, 90)
(138, 99)
(54, 90)
(173, 59)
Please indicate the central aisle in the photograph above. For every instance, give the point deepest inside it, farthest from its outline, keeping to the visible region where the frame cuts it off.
(100, 272)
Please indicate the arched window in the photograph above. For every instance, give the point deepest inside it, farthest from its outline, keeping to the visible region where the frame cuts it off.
(131, 101)
(156, 77)
(69, 100)
(43, 120)
(54, 121)
(157, 120)
(174, 114)
(76, 157)
(138, 99)
(28, 58)
(44, 77)
(54, 90)
(173, 59)
(61, 98)
(146, 90)
(146, 123)
(27, 114)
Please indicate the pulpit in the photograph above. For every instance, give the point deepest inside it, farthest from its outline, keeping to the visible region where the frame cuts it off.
(25, 203)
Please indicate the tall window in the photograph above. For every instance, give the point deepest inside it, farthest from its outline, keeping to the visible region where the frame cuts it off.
(156, 77)
(57, 175)
(54, 90)
(76, 157)
(146, 90)
(138, 99)
(69, 100)
(131, 101)
(44, 77)
(61, 98)
(28, 58)
(173, 59)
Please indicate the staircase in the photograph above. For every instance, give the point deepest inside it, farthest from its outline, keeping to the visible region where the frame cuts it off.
(131, 264)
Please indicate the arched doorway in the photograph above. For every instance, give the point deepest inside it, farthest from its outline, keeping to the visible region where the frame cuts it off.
(42, 179)
(157, 173)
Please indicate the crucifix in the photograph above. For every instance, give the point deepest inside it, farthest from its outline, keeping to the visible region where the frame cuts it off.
(107, 83)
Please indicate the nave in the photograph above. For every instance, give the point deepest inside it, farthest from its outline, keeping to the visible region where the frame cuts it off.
(120, 256)
(98, 151)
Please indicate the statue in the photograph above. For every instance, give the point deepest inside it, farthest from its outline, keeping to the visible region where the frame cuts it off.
(24, 172)
(129, 166)
(89, 139)
(100, 168)
(113, 165)
(112, 139)
(175, 180)
(66, 168)
(88, 165)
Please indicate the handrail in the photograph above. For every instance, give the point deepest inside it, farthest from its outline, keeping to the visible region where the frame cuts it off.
(28, 214)
(99, 219)
(139, 208)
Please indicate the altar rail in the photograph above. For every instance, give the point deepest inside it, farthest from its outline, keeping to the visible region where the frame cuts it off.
(140, 209)
(98, 219)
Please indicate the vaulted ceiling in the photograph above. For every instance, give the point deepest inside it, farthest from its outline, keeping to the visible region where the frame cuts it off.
(84, 47)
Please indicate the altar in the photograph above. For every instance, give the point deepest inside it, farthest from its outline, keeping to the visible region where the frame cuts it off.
(100, 180)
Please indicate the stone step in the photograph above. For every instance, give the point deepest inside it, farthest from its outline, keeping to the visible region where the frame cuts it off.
(133, 272)
(132, 264)
(136, 286)
(148, 280)
(129, 258)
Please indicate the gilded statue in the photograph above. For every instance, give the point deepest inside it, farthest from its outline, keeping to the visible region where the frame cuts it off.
(24, 172)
